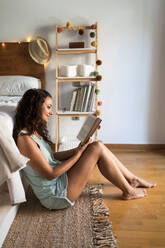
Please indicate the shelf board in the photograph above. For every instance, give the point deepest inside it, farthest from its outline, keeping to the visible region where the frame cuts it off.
(75, 50)
(68, 113)
(75, 79)
(76, 28)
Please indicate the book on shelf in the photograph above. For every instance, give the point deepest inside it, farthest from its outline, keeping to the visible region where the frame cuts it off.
(84, 108)
(79, 84)
(83, 98)
(82, 93)
(72, 104)
(88, 128)
(77, 103)
(91, 98)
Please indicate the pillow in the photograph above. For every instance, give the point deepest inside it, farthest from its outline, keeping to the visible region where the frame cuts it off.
(17, 85)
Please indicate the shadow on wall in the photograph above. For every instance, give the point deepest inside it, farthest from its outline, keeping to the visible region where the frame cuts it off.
(49, 33)
(156, 115)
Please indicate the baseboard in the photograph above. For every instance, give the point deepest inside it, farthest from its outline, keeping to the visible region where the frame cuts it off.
(133, 147)
(136, 147)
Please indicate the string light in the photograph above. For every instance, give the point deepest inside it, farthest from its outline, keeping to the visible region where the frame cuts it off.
(3, 44)
(46, 64)
(28, 39)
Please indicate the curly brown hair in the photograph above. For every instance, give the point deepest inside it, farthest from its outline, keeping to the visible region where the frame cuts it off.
(29, 112)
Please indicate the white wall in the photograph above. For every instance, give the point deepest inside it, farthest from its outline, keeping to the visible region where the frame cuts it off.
(131, 46)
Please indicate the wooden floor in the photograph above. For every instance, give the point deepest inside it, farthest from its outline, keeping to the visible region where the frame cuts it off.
(138, 223)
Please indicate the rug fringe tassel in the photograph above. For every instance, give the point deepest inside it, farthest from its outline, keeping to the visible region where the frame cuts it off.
(101, 226)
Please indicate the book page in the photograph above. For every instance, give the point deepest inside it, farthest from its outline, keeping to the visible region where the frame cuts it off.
(90, 124)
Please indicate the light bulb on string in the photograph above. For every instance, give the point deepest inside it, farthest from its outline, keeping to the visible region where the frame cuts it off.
(3, 44)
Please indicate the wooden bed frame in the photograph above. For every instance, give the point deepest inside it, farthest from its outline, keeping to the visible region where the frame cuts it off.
(15, 60)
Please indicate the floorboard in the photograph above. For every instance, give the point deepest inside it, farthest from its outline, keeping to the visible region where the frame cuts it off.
(138, 223)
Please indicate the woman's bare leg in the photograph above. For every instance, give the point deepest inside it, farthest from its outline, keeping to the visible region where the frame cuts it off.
(131, 178)
(94, 154)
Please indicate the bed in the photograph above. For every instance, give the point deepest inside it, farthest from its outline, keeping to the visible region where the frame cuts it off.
(18, 73)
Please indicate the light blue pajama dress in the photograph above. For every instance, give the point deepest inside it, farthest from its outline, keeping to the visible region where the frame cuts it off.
(51, 193)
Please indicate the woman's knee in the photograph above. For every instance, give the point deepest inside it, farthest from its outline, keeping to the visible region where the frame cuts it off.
(96, 147)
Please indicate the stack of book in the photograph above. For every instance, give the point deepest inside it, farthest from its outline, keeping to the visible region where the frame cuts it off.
(83, 98)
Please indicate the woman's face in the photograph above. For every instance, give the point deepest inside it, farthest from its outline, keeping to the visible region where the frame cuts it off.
(47, 109)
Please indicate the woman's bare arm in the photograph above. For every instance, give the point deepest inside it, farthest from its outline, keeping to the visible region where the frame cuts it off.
(29, 148)
(63, 155)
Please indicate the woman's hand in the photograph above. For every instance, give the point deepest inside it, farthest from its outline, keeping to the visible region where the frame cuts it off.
(81, 148)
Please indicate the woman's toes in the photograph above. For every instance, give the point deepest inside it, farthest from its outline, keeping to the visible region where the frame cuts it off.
(138, 182)
(135, 194)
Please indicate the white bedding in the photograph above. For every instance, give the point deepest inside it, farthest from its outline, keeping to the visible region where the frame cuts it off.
(7, 110)
(11, 159)
(16, 85)
(9, 100)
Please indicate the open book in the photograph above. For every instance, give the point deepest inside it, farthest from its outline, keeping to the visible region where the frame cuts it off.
(89, 127)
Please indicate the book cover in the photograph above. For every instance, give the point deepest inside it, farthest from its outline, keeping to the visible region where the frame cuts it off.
(83, 98)
(87, 97)
(89, 127)
(72, 104)
(91, 98)
(77, 103)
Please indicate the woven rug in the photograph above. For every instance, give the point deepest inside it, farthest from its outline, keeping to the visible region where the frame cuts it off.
(83, 226)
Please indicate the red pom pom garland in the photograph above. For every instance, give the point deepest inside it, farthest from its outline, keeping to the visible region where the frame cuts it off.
(99, 62)
(93, 26)
(81, 31)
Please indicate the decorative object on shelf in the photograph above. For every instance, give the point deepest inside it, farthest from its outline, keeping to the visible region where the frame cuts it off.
(94, 43)
(69, 25)
(98, 62)
(92, 34)
(76, 44)
(98, 112)
(93, 26)
(84, 70)
(60, 30)
(99, 77)
(99, 103)
(81, 70)
(81, 31)
(75, 118)
(39, 50)
(95, 73)
(97, 91)
(68, 71)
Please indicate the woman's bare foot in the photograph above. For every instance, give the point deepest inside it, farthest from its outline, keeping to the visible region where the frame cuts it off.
(134, 194)
(140, 183)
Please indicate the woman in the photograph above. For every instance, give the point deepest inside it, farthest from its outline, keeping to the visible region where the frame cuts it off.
(58, 179)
